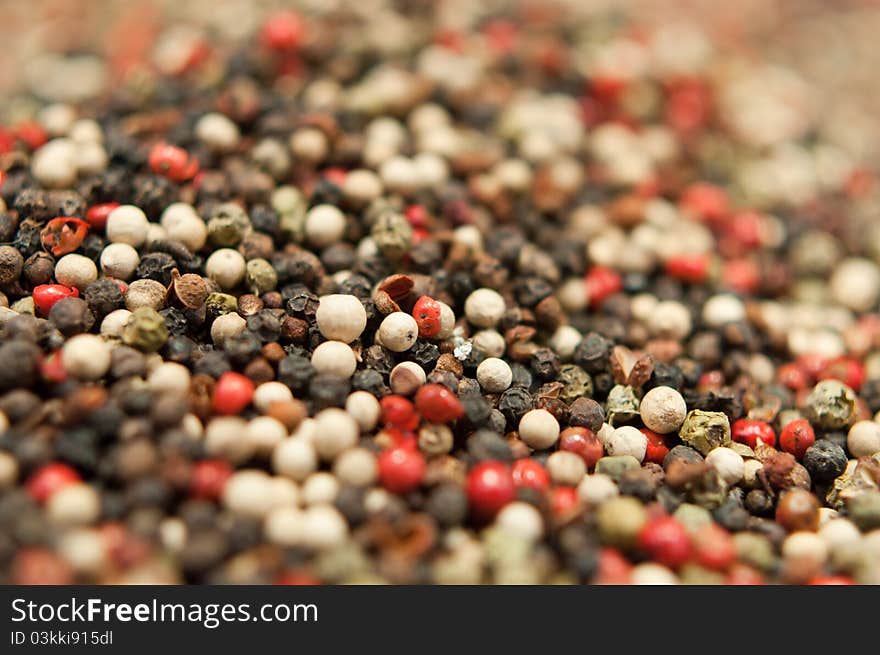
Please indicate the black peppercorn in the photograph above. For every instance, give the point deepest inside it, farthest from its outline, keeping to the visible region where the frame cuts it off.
(295, 371)
(448, 505)
(487, 445)
(71, 316)
(514, 403)
(103, 296)
(825, 460)
(592, 353)
(328, 391)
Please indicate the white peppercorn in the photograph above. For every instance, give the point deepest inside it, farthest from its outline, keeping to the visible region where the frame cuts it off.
(75, 270)
(284, 526)
(341, 317)
(224, 437)
(728, 463)
(335, 431)
(406, 378)
(447, 321)
(270, 392)
(566, 468)
(225, 327)
(54, 164)
(74, 504)
(249, 492)
(114, 322)
(226, 267)
(364, 408)
(490, 342)
(324, 527)
(863, 439)
(334, 358)
(494, 375)
(663, 410)
(264, 433)
(8, 467)
(127, 224)
(597, 488)
(627, 440)
(356, 467)
(119, 260)
(182, 223)
(521, 520)
(320, 488)
(398, 331)
(484, 307)
(855, 284)
(217, 132)
(361, 187)
(324, 225)
(539, 429)
(565, 341)
(670, 319)
(169, 377)
(295, 458)
(86, 356)
(145, 293)
(723, 308)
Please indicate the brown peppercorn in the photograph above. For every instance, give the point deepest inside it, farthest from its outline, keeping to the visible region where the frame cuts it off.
(289, 412)
(249, 304)
(448, 362)
(71, 316)
(190, 290)
(294, 329)
(11, 263)
(259, 370)
(274, 352)
(798, 510)
(39, 268)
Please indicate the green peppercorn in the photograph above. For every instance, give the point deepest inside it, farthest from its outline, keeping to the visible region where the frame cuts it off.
(831, 405)
(755, 549)
(228, 224)
(218, 304)
(577, 382)
(619, 521)
(145, 330)
(260, 276)
(392, 233)
(291, 206)
(864, 509)
(622, 405)
(705, 430)
(614, 466)
(692, 517)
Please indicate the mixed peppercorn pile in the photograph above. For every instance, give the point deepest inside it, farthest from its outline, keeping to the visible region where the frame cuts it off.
(385, 294)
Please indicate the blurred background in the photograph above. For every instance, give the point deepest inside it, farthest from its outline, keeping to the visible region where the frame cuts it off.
(831, 45)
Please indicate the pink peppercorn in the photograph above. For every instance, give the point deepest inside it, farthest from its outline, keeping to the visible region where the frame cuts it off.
(666, 541)
(46, 295)
(602, 282)
(401, 469)
(283, 31)
(489, 487)
(563, 501)
(690, 268)
(437, 404)
(750, 432)
(232, 393)
(613, 568)
(848, 370)
(50, 478)
(714, 547)
(426, 311)
(796, 437)
(657, 448)
(529, 474)
(96, 216)
(582, 442)
(209, 478)
(398, 412)
(172, 162)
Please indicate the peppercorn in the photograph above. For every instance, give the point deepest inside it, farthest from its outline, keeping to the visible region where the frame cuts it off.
(71, 316)
(824, 460)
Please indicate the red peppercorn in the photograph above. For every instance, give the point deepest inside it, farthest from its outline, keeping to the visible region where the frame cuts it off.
(813, 364)
(714, 547)
(209, 477)
(283, 31)
(657, 448)
(49, 478)
(848, 370)
(527, 473)
(613, 568)
(96, 216)
(398, 412)
(335, 175)
(437, 404)
(742, 574)
(564, 501)
(297, 578)
(232, 393)
(831, 580)
(602, 282)
(7, 141)
(401, 469)
(417, 216)
(706, 202)
(666, 541)
(796, 437)
(52, 369)
(490, 487)
(31, 134)
(793, 376)
(584, 443)
(172, 162)
(741, 275)
(39, 566)
(751, 432)
(690, 268)
(63, 235)
(426, 311)
(46, 295)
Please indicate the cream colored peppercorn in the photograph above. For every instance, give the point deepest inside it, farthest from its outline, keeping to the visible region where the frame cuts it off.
(566, 468)
(398, 332)
(127, 224)
(113, 323)
(264, 433)
(863, 439)
(320, 488)
(361, 187)
(565, 341)
(324, 527)
(649, 573)
(596, 489)
(663, 410)
(270, 392)
(723, 308)
(341, 317)
(356, 467)
(855, 284)
(86, 356)
(490, 342)
(295, 458)
(309, 145)
(627, 440)
(805, 550)
(484, 308)
(324, 225)
(54, 164)
(225, 327)
(119, 260)
(284, 526)
(447, 321)
(86, 130)
(539, 429)
(8, 466)
(335, 431)
(226, 267)
(334, 358)
(182, 223)
(74, 504)
(76, 270)
(249, 492)
(364, 408)
(670, 319)
(728, 463)
(217, 132)
(225, 437)
(90, 158)
(406, 378)
(750, 472)
(494, 375)
(521, 520)
(169, 377)
(84, 549)
(145, 293)
(57, 119)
